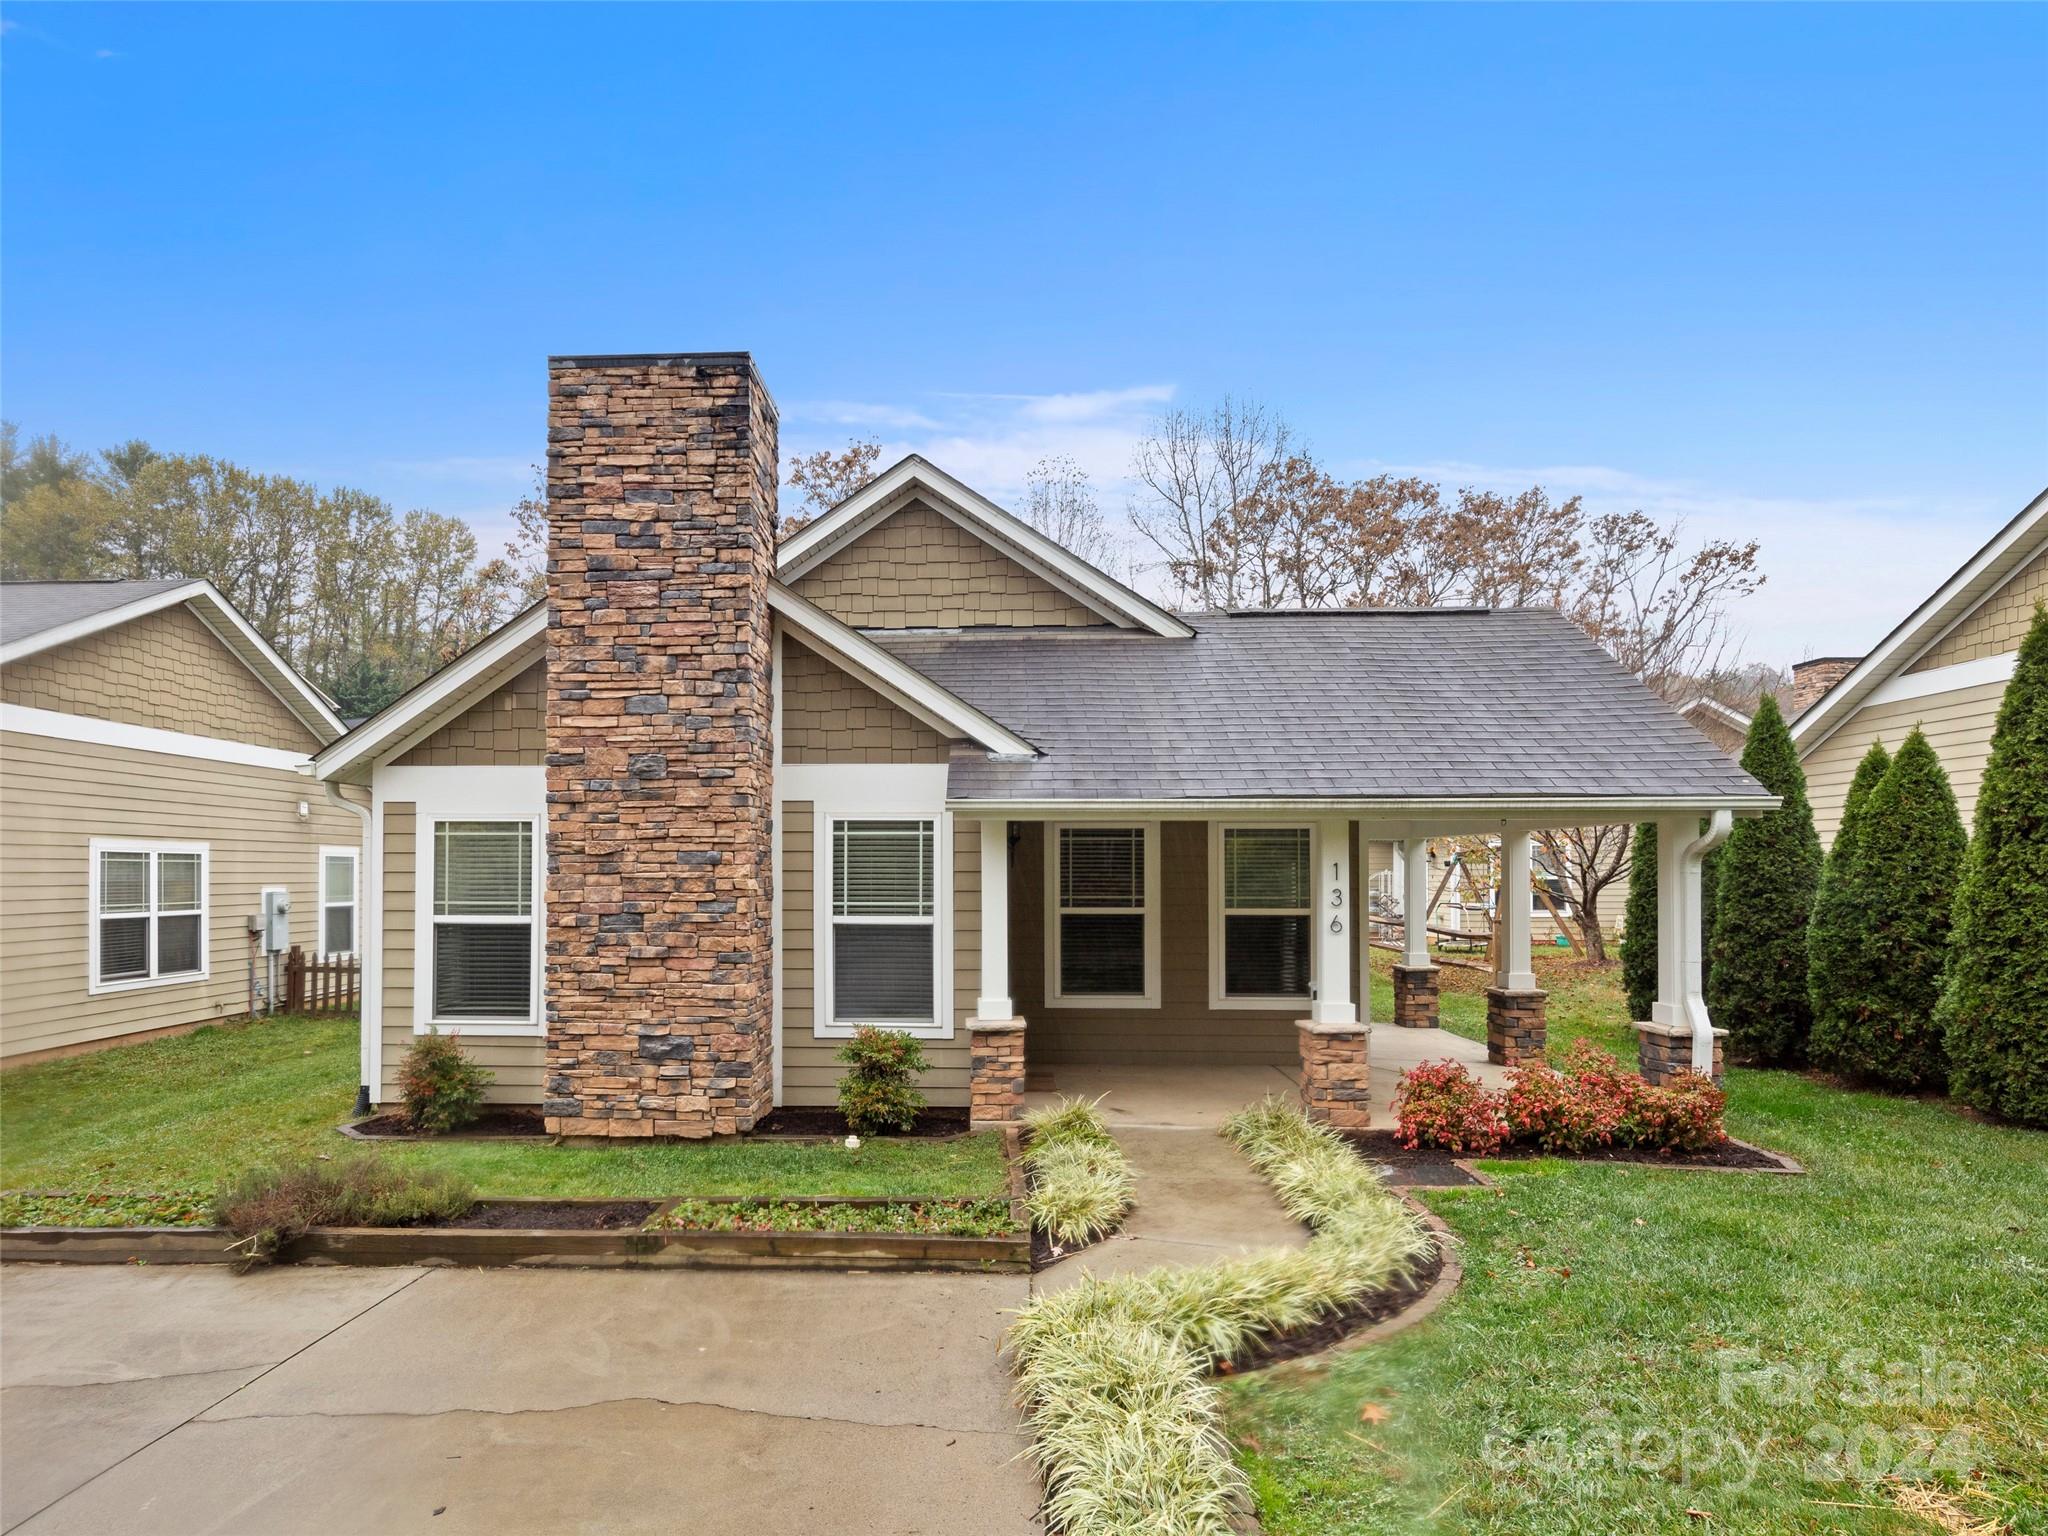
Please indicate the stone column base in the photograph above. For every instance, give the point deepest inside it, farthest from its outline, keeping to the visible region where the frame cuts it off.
(1415, 994)
(996, 1072)
(1665, 1050)
(1514, 1027)
(1336, 1074)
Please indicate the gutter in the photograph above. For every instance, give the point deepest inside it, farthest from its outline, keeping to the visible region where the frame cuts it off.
(1694, 998)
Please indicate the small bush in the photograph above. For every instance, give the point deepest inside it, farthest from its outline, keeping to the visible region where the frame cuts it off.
(1081, 1182)
(442, 1089)
(1440, 1104)
(267, 1207)
(879, 1091)
(1683, 1115)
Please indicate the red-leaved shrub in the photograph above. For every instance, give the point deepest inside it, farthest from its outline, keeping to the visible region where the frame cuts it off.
(1440, 1104)
(1683, 1115)
(1581, 1109)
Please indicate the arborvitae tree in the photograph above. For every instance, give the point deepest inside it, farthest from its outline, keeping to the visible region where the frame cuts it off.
(1639, 920)
(1837, 960)
(1994, 1009)
(1906, 873)
(1769, 868)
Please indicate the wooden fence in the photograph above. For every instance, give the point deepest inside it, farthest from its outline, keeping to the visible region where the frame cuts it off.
(321, 983)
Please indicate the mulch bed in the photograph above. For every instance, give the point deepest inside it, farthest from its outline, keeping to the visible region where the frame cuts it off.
(1339, 1325)
(508, 1120)
(1427, 1168)
(553, 1216)
(820, 1121)
(1729, 1154)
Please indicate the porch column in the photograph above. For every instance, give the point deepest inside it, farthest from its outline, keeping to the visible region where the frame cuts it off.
(1680, 1034)
(1336, 1076)
(1331, 916)
(1514, 1005)
(1415, 978)
(995, 1058)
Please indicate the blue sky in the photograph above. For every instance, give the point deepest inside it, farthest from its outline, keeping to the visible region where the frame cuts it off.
(1781, 270)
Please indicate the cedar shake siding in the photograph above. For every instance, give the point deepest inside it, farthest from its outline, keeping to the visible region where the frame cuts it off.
(917, 569)
(509, 726)
(165, 669)
(828, 717)
(1997, 625)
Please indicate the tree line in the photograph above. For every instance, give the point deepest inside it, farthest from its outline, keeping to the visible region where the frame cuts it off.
(362, 600)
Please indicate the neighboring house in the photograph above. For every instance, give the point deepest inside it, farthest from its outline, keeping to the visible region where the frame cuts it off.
(661, 844)
(154, 778)
(1725, 727)
(1943, 669)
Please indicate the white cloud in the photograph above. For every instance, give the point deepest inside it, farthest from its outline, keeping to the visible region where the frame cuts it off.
(859, 413)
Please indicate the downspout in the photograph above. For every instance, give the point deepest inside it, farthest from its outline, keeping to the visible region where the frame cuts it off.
(1718, 828)
(367, 880)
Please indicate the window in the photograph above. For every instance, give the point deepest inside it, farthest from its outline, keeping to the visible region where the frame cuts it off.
(1101, 923)
(1264, 906)
(884, 941)
(485, 940)
(337, 901)
(148, 914)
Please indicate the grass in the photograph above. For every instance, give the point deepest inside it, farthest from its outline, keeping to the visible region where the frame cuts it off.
(1081, 1180)
(1638, 1351)
(177, 1118)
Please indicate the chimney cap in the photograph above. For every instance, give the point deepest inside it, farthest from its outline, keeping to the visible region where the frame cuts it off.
(674, 359)
(1825, 661)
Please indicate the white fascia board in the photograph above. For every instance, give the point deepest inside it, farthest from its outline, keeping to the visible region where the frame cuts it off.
(1385, 818)
(1715, 707)
(1957, 598)
(882, 496)
(93, 731)
(448, 691)
(853, 652)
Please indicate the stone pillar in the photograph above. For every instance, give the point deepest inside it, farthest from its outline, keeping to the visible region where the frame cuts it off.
(1514, 1027)
(1664, 1050)
(661, 542)
(1336, 1074)
(1415, 995)
(996, 1072)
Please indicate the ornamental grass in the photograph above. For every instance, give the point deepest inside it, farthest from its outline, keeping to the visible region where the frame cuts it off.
(1080, 1179)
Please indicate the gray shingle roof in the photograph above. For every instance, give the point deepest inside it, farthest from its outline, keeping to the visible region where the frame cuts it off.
(1428, 705)
(29, 607)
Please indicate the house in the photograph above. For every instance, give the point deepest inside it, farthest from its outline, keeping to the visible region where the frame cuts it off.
(1944, 669)
(155, 779)
(1726, 727)
(662, 843)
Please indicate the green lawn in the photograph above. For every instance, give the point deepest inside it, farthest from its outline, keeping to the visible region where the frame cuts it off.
(1645, 1351)
(176, 1116)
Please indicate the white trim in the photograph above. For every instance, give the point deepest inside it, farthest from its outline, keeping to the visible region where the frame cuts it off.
(857, 784)
(218, 615)
(889, 491)
(97, 846)
(1720, 711)
(1274, 1004)
(1390, 818)
(321, 903)
(775, 900)
(851, 651)
(905, 805)
(1054, 997)
(1980, 673)
(60, 726)
(423, 1019)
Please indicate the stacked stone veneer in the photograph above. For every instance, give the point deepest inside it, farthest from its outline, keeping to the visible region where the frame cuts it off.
(1336, 1075)
(661, 525)
(1665, 1050)
(1415, 996)
(996, 1072)
(1514, 1027)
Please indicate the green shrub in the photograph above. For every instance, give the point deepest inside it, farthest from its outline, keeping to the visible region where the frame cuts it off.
(1081, 1182)
(1639, 923)
(1994, 1007)
(879, 1091)
(442, 1089)
(267, 1207)
(1889, 927)
(1837, 937)
(1769, 868)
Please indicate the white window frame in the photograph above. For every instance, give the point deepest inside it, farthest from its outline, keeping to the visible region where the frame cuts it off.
(825, 850)
(1273, 1004)
(1054, 996)
(94, 987)
(354, 903)
(424, 921)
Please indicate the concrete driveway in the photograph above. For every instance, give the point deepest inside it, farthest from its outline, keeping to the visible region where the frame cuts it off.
(185, 1400)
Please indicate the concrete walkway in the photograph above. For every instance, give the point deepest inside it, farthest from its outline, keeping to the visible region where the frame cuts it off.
(188, 1400)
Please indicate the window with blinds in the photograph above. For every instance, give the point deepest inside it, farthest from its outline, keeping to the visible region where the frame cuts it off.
(1267, 907)
(149, 912)
(1103, 906)
(484, 939)
(338, 901)
(884, 922)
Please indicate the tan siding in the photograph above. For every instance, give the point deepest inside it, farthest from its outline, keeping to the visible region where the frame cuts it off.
(919, 570)
(1998, 624)
(830, 717)
(56, 796)
(517, 1064)
(506, 726)
(1958, 726)
(166, 670)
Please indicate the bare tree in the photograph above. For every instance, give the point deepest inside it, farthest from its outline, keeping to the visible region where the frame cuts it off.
(1197, 470)
(824, 479)
(1060, 503)
(1659, 611)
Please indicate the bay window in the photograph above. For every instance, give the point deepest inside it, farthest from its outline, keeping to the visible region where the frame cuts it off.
(1264, 907)
(883, 949)
(1102, 929)
(486, 943)
(148, 913)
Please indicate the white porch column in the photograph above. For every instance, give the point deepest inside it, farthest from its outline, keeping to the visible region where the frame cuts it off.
(1676, 919)
(1331, 916)
(1414, 898)
(1511, 911)
(994, 1003)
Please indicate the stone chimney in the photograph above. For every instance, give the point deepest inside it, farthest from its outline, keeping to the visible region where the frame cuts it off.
(661, 540)
(1811, 679)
